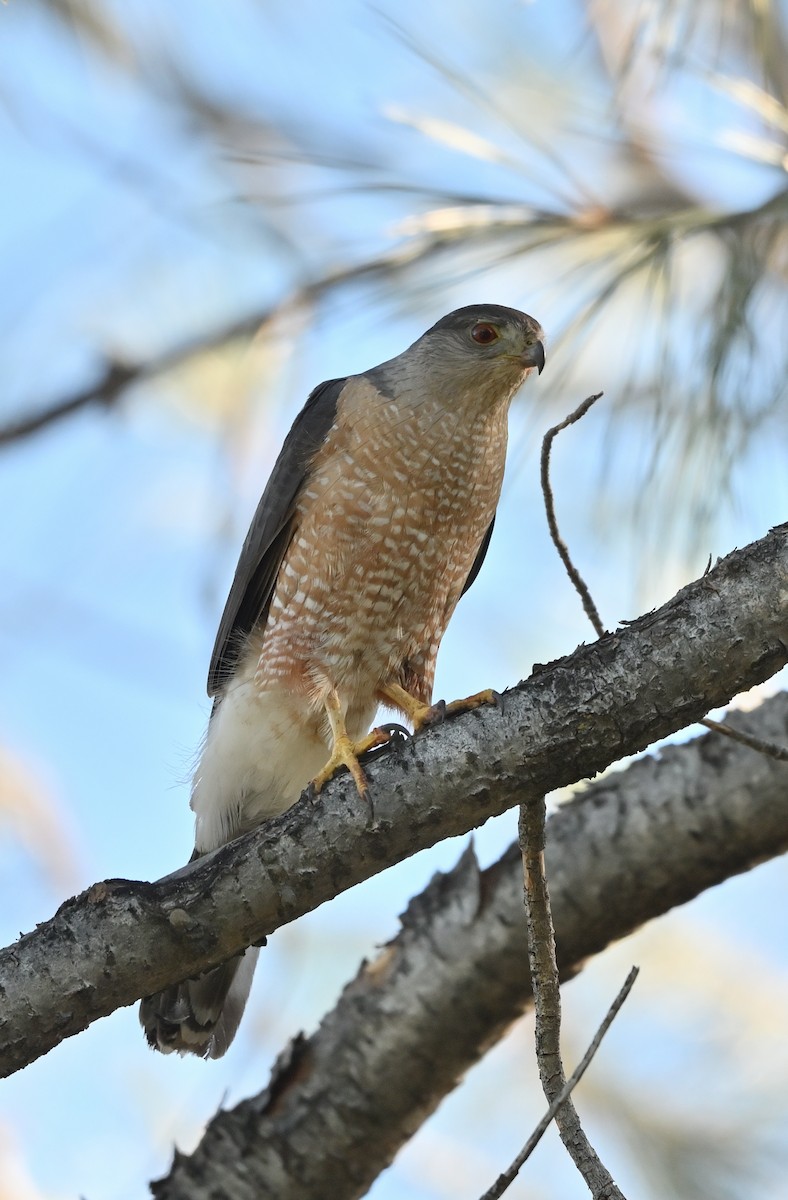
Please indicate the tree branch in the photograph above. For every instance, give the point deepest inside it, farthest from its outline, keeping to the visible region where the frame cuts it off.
(507, 1177)
(120, 939)
(628, 848)
(546, 992)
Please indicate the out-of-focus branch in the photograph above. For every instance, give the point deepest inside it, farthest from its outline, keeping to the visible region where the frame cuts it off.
(117, 376)
(339, 1106)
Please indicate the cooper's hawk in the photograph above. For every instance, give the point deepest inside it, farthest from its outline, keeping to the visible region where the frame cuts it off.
(375, 520)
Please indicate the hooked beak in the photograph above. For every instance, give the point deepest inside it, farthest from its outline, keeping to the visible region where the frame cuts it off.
(534, 357)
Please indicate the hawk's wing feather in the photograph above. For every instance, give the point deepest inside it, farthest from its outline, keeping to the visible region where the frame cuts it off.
(477, 562)
(271, 532)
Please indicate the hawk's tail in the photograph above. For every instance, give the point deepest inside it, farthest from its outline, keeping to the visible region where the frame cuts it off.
(200, 1016)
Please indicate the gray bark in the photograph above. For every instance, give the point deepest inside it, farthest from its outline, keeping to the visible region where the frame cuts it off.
(123, 939)
(341, 1103)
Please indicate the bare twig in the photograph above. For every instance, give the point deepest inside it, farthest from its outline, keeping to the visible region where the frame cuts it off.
(547, 1003)
(746, 739)
(508, 1176)
(770, 748)
(549, 503)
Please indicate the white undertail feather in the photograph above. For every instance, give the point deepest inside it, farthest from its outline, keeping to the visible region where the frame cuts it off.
(257, 759)
(260, 751)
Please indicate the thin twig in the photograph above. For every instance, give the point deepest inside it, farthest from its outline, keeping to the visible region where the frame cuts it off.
(508, 1176)
(541, 934)
(547, 1004)
(544, 972)
(736, 735)
(746, 739)
(547, 491)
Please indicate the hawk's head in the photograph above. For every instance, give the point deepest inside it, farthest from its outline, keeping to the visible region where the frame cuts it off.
(487, 333)
(475, 356)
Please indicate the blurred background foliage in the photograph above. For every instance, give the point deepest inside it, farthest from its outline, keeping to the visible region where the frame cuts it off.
(207, 209)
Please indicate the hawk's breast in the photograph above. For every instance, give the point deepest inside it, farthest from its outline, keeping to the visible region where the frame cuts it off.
(389, 522)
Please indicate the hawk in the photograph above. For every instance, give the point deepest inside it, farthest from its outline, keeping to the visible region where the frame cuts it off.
(375, 520)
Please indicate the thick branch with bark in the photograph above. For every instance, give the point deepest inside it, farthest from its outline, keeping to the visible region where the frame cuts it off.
(120, 939)
(341, 1103)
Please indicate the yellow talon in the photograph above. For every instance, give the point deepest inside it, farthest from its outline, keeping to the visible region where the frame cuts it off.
(422, 715)
(344, 752)
(487, 696)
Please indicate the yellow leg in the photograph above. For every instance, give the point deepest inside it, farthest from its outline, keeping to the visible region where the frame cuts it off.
(418, 714)
(422, 715)
(344, 752)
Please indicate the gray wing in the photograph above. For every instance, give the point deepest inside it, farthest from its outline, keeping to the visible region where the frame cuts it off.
(270, 532)
(477, 562)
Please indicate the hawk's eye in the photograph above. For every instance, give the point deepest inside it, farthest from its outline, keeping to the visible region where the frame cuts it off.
(484, 334)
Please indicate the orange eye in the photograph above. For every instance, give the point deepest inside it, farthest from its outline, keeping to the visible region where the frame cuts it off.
(484, 334)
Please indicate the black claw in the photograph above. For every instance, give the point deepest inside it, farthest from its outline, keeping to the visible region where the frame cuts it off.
(397, 733)
(399, 736)
(311, 793)
(263, 941)
(498, 701)
(438, 714)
